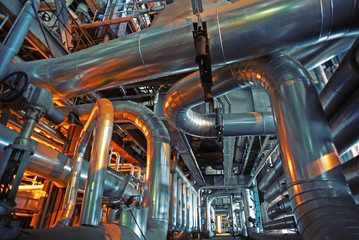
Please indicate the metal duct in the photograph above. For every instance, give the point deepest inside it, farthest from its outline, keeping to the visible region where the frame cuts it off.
(283, 223)
(55, 166)
(310, 161)
(312, 56)
(344, 125)
(273, 174)
(179, 225)
(168, 49)
(16, 36)
(179, 101)
(173, 202)
(157, 186)
(351, 172)
(343, 83)
(188, 213)
(279, 208)
(100, 123)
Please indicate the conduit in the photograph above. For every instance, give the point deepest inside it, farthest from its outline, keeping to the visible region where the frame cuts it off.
(100, 123)
(282, 223)
(157, 184)
(168, 49)
(279, 208)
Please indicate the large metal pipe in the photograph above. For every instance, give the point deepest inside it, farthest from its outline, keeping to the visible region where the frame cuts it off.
(233, 30)
(345, 123)
(187, 214)
(16, 36)
(343, 83)
(351, 172)
(310, 159)
(312, 56)
(173, 202)
(179, 224)
(157, 185)
(273, 174)
(55, 166)
(101, 120)
(279, 208)
(282, 223)
(179, 101)
(100, 123)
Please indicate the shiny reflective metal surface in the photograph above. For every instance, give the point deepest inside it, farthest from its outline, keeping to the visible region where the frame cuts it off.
(310, 159)
(179, 101)
(273, 174)
(343, 82)
(279, 208)
(351, 172)
(101, 120)
(168, 49)
(135, 218)
(173, 203)
(282, 223)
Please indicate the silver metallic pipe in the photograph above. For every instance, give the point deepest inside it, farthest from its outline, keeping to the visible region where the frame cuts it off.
(179, 224)
(173, 203)
(282, 223)
(179, 101)
(101, 123)
(310, 159)
(55, 166)
(233, 30)
(273, 174)
(351, 172)
(312, 56)
(279, 208)
(188, 216)
(101, 120)
(343, 82)
(14, 39)
(208, 230)
(345, 123)
(157, 186)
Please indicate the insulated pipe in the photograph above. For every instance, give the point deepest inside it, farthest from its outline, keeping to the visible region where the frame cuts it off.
(179, 224)
(179, 101)
(208, 231)
(351, 172)
(343, 83)
(168, 49)
(16, 36)
(345, 123)
(312, 167)
(101, 120)
(313, 56)
(279, 208)
(157, 184)
(282, 223)
(188, 216)
(173, 203)
(100, 123)
(55, 166)
(273, 174)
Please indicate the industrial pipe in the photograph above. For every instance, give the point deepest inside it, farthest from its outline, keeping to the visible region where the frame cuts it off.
(282, 223)
(179, 224)
(233, 30)
(55, 166)
(157, 185)
(351, 172)
(279, 208)
(187, 210)
(273, 174)
(16, 36)
(173, 202)
(100, 123)
(343, 83)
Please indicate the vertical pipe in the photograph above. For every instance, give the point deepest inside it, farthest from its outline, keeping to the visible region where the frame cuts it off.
(91, 211)
(173, 203)
(100, 122)
(179, 206)
(17, 34)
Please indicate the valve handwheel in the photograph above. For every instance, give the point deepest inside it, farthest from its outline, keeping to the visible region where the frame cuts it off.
(13, 86)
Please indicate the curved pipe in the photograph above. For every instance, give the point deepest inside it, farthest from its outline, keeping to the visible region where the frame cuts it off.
(234, 36)
(157, 184)
(101, 123)
(179, 101)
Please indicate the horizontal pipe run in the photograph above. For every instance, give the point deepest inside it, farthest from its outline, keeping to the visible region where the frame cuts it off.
(273, 174)
(278, 187)
(55, 166)
(351, 172)
(282, 223)
(279, 208)
(233, 30)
